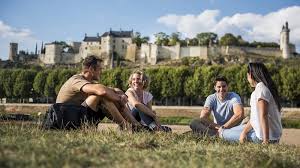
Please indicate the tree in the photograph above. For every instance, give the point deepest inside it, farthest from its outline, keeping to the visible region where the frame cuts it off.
(206, 38)
(174, 38)
(2, 78)
(193, 42)
(51, 83)
(193, 84)
(23, 86)
(290, 77)
(161, 38)
(228, 40)
(241, 42)
(39, 82)
(8, 83)
(138, 39)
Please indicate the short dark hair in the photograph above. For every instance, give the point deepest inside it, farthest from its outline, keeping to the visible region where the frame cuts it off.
(220, 78)
(91, 61)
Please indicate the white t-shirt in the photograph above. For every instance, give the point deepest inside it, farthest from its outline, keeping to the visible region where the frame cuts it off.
(274, 119)
(147, 97)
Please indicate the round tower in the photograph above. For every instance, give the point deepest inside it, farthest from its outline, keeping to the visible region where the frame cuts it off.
(285, 40)
(13, 51)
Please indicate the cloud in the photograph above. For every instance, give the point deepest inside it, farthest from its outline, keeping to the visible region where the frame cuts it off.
(250, 26)
(23, 36)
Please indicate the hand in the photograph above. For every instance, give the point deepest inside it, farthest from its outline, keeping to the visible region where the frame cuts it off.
(243, 137)
(123, 99)
(220, 130)
(119, 91)
(265, 142)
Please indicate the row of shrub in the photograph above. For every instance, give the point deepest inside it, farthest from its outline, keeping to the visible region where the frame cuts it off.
(166, 82)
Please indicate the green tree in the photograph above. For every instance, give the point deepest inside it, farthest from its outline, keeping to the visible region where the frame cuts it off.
(124, 78)
(39, 82)
(23, 87)
(138, 39)
(192, 42)
(2, 78)
(51, 82)
(290, 77)
(228, 40)
(193, 84)
(161, 38)
(206, 38)
(8, 83)
(155, 86)
(174, 38)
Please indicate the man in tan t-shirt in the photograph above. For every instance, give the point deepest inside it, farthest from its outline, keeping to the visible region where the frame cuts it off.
(81, 89)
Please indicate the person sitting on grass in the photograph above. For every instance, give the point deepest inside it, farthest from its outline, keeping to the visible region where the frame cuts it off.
(264, 125)
(140, 102)
(226, 108)
(99, 101)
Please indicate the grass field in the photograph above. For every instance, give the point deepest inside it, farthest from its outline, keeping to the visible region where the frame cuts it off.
(25, 145)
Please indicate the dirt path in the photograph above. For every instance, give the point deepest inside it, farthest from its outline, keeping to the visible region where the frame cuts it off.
(289, 136)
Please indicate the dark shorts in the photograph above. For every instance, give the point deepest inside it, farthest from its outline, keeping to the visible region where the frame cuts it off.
(68, 116)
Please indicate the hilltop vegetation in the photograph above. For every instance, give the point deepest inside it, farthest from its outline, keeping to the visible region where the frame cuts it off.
(184, 83)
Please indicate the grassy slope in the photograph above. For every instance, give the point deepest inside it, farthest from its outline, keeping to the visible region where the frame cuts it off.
(27, 146)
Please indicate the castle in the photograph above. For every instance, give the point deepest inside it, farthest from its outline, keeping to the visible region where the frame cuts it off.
(119, 44)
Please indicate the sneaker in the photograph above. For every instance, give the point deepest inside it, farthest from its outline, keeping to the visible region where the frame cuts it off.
(166, 128)
(140, 128)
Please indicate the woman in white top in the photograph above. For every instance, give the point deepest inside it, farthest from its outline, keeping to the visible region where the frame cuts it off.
(140, 102)
(264, 125)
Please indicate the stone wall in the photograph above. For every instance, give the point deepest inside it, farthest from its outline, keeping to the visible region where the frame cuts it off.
(131, 52)
(268, 52)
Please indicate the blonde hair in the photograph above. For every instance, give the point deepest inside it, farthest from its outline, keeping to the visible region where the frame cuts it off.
(144, 77)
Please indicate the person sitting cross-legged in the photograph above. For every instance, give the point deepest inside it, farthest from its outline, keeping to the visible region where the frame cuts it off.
(140, 102)
(226, 108)
(82, 90)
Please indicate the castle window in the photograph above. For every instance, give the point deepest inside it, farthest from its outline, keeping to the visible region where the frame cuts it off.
(123, 41)
(114, 41)
(114, 47)
(99, 47)
(86, 48)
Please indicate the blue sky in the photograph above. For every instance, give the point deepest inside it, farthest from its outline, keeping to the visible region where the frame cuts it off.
(32, 21)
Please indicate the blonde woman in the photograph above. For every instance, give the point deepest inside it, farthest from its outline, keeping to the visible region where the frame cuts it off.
(140, 102)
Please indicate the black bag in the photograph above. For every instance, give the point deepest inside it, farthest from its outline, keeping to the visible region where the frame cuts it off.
(64, 116)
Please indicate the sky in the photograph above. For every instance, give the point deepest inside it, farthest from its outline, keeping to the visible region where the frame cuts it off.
(31, 22)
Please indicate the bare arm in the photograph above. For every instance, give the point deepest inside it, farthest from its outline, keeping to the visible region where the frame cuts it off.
(245, 131)
(238, 115)
(140, 106)
(263, 112)
(204, 116)
(101, 90)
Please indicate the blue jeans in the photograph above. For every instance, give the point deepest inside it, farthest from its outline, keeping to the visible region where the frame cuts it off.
(140, 116)
(233, 135)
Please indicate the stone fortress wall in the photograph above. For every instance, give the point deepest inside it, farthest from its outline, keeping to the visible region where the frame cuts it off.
(119, 43)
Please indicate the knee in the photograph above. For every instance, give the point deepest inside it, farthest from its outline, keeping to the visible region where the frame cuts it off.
(194, 123)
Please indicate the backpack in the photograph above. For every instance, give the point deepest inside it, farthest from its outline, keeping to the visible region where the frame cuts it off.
(64, 116)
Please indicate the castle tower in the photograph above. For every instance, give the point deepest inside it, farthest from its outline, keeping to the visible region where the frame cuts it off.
(13, 51)
(284, 41)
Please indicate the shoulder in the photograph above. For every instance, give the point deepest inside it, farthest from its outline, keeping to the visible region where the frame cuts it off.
(128, 91)
(262, 91)
(234, 95)
(211, 97)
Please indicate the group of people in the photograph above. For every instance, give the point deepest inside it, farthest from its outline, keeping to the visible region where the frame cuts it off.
(133, 109)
